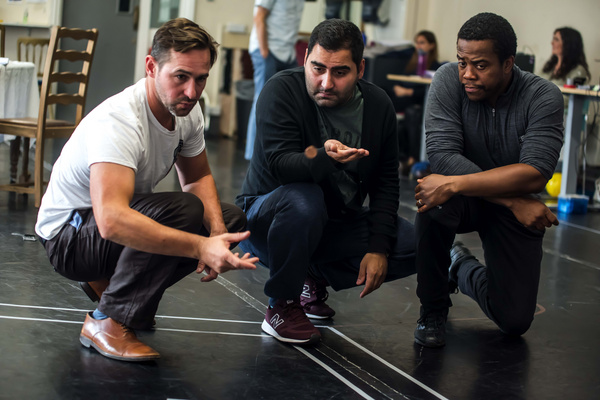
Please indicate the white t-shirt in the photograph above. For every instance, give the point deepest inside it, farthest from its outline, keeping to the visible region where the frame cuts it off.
(283, 23)
(121, 130)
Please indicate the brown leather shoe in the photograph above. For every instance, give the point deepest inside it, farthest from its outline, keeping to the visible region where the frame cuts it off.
(114, 340)
(94, 289)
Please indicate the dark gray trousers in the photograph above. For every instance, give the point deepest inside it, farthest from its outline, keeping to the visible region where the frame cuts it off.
(506, 287)
(137, 279)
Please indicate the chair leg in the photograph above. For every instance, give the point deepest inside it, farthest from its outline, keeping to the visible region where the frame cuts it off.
(25, 176)
(38, 173)
(15, 149)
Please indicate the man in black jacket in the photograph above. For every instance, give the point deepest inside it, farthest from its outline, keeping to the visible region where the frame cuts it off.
(325, 141)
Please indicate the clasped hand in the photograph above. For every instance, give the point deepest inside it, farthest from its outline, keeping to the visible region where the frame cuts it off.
(533, 214)
(432, 191)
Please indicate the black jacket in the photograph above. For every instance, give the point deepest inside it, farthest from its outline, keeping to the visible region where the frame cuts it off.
(287, 123)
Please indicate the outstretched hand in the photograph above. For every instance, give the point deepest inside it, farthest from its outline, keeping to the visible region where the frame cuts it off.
(342, 153)
(215, 257)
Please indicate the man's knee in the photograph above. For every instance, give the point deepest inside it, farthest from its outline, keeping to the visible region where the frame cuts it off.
(445, 216)
(185, 212)
(516, 324)
(304, 202)
(234, 218)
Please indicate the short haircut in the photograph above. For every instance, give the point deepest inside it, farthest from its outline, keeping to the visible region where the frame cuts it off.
(338, 34)
(489, 26)
(181, 35)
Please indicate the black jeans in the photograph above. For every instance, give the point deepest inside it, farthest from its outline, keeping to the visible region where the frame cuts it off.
(506, 288)
(292, 234)
(137, 279)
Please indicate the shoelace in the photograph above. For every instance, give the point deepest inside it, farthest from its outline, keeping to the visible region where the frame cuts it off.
(295, 311)
(127, 329)
(433, 319)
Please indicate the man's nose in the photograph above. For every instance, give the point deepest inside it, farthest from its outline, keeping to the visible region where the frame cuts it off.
(190, 89)
(470, 73)
(327, 81)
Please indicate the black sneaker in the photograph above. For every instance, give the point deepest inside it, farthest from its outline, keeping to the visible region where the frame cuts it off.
(313, 299)
(458, 253)
(287, 322)
(431, 328)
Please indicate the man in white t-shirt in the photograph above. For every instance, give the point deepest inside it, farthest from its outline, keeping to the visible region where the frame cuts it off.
(101, 223)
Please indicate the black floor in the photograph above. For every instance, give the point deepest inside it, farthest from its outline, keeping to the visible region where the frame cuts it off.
(212, 346)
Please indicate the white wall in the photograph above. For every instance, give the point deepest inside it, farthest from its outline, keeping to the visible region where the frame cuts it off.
(534, 22)
(213, 16)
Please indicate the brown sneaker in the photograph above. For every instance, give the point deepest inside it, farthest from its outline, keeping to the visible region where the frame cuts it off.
(114, 340)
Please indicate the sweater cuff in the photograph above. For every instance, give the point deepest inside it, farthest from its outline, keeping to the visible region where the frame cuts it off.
(380, 244)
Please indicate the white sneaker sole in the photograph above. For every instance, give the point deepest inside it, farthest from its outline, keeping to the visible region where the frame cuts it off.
(269, 329)
(314, 316)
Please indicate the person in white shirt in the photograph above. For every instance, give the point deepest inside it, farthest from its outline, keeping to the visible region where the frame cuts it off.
(100, 221)
(272, 48)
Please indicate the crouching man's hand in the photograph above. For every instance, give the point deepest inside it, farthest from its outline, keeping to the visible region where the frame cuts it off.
(216, 258)
(373, 270)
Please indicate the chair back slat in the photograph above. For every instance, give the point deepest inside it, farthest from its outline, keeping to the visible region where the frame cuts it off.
(65, 99)
(67, 77)
(73, 55)
(78, 34)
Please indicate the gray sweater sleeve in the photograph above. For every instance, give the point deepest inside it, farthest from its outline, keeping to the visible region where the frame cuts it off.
(444, 126)
(466, 137)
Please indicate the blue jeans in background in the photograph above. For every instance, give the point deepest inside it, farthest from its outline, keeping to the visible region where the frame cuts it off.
(264, 68)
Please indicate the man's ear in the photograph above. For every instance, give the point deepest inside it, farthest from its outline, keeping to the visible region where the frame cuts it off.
(361, 69)
(508, 64)
(151, 66)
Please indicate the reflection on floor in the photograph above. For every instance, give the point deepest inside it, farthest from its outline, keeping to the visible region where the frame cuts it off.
(212, 346)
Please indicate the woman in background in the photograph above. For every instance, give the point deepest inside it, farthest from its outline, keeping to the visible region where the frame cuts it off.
(568, 58)
(408, 99)
(425, 42)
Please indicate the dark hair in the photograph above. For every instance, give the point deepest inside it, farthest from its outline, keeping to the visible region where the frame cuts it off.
(489, 26)
(572, 54)
(432, 56)
(181, 35)
(338, 34)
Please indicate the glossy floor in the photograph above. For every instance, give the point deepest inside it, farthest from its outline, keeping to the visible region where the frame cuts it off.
(212, 346)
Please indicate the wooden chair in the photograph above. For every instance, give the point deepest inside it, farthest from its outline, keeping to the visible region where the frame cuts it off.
(74, 69)
(2, 35)
(33, 50)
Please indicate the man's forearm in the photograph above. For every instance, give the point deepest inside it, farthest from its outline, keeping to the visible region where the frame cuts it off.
(508, 181)
(206, 190)
(132, 229)
(260, 22)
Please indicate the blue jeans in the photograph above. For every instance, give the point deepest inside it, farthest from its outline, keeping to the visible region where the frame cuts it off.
(264, 68)
(293, 235)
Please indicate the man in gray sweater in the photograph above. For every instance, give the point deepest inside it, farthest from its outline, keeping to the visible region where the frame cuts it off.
(494, 135)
